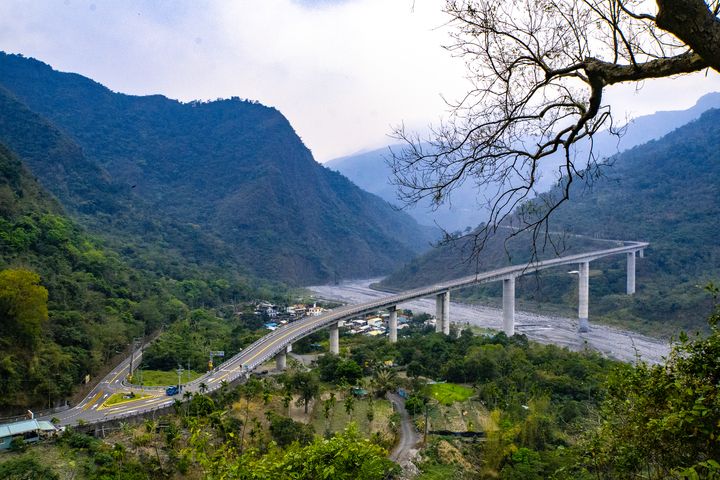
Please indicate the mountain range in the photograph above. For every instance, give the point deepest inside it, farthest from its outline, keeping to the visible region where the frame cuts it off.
(466, 206)
(227, 182)
(666, 192)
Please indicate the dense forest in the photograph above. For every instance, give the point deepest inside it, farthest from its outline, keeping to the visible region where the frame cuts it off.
(665, 192)
(228, 179)
(541, 412)
(68, 303)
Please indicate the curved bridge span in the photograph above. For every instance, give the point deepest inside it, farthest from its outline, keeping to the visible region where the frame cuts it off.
(278, 342)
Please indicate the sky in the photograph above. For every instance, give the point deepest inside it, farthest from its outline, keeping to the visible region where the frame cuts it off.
(344, 72)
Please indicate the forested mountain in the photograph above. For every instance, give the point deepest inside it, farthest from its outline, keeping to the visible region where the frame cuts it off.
(666, 192)
(230, 173)
(66, 303)
(69, 302)
(466, 207)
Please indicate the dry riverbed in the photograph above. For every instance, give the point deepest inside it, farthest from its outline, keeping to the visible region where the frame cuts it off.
(615, 343)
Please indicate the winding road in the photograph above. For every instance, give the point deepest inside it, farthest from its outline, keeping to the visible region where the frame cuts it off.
(92, 409)
(409, 437)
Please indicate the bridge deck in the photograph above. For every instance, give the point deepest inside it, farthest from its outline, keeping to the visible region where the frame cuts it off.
(90, 409)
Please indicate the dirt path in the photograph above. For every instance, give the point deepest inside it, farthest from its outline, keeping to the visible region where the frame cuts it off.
(405, 450)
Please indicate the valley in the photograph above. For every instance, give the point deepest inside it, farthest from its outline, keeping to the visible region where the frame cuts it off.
(525, 288)
(623, 345)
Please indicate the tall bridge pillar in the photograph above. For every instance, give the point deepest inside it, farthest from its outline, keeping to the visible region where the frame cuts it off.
(392, 324)
(439, 300)
(334, 339)
(583, 296)
(281, 358)
(446, 313)
(509, 306)
(630, 273)
(281, 361)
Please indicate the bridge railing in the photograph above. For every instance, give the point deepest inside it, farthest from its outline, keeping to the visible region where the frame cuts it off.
(309, 325)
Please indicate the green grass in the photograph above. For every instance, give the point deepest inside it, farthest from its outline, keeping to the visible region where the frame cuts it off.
(119, 397)
(161, 378)
(467, 416)
(339, 419)
(438, 472)
(449, 393)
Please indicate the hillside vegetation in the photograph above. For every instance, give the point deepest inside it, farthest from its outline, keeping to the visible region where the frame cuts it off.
(666, 192)
(229, 178)
(68, 303)
(465, 206)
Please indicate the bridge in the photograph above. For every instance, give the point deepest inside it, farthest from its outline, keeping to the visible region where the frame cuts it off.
(279, 342)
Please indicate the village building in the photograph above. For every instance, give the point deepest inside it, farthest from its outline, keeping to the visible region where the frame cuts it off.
(28, 430)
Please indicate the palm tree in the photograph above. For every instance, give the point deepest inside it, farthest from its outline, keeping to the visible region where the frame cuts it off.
(250, 390)
(328, 406)
(308, 386)
(187, 396)
(370, 412)
(349, 404)
(384, 380)
(203, 387)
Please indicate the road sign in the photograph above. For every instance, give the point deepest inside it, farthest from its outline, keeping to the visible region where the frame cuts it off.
(218, 353)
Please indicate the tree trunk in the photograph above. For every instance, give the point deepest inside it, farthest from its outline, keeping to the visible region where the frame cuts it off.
(693, 23)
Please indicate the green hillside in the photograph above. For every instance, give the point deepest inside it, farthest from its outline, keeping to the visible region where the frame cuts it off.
(66, 303)
(108, 208)
(666, 192)
(69, 302)
(233, 170)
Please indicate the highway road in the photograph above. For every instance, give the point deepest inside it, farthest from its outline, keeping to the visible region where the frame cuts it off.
(610, 341)
(91, 409)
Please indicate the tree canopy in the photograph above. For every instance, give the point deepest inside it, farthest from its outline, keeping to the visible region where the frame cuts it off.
(23, 305)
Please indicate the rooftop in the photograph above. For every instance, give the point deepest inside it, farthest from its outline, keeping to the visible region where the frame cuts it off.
(18, 428)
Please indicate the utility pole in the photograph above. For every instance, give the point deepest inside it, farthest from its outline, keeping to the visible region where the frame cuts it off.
(179, 372)
(132, 358)
(427, 427)
(132, 355)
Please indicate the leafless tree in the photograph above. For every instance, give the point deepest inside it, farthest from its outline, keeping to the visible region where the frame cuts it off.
(538, 69)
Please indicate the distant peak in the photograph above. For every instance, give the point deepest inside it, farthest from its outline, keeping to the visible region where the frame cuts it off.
(709, 100)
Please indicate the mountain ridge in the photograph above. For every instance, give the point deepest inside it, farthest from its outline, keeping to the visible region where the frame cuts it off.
(647, 195)
(235, 169)
(466, 206)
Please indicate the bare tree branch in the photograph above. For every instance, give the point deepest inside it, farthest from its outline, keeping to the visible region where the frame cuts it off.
(538, 70)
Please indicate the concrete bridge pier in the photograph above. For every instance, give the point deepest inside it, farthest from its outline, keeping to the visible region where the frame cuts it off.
(281, 361)
(439, 300)
(630, 273)
(509, 306)
(446, 313)
(334, 339)
(281, 358)
(583, 297)
(392, 324)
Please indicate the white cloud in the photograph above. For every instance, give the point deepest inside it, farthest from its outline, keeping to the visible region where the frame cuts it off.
(342, 71)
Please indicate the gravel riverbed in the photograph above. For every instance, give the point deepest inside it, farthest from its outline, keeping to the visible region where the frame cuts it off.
(620, 344)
